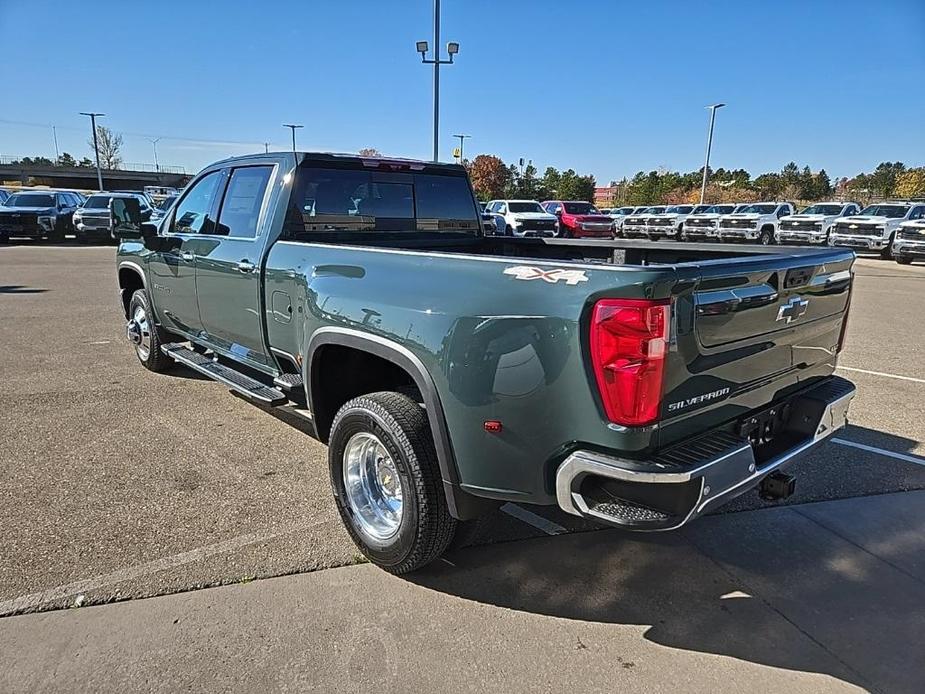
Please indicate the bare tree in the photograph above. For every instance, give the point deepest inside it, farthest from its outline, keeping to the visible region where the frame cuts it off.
(110, 145)
(370, 152)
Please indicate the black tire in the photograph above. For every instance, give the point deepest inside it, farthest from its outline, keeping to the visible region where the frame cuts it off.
(152, 358)
(4, 238)
(887, 253)
(426, 527)
(766, 237)
(903, 259)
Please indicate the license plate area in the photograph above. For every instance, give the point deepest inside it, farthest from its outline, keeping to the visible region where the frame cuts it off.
(760, 429)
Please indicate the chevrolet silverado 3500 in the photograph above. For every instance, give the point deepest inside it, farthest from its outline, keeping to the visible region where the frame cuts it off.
(874, 229)
(637, 384)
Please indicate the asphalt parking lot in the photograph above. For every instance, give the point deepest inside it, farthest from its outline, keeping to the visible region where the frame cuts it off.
(117, 483)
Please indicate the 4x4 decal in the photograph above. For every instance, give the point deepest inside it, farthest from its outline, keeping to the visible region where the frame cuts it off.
(528, 272)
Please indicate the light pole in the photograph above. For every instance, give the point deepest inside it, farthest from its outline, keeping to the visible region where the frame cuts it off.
(293, 127)
(706, 166)
(461, 138)
(96, 146)
(54, 133)
(154, 142)
(452, 48)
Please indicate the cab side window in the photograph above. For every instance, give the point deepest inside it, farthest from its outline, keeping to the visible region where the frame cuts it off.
(917, 213)
(192, 214)
(242, 202)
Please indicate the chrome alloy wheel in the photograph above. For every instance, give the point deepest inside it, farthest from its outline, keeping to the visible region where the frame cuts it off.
(373, 487)
(138, 332)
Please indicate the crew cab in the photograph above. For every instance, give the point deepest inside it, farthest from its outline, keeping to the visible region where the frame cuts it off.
(38, 215)
(700, 226)
(91, 221)
(814, 224)
(635, 384)
(670, 222)
(757, 222)
(910, 242)
(874, 229)
(524, 218)
(635, 225)
(579, 219)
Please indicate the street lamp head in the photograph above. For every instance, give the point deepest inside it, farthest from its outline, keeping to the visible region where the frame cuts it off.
(452, 48)
(714, 106)
(421, 47)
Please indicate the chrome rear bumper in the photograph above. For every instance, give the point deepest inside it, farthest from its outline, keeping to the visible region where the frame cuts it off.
(670, 490)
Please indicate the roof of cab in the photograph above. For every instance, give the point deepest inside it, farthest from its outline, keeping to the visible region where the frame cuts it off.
(341, 157)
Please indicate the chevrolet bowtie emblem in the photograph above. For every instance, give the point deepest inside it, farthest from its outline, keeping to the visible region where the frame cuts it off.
(793, 309)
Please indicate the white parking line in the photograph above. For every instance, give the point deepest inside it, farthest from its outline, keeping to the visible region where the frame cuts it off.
(530, 518)
(881, 373)
(34, 600)
(882, 451)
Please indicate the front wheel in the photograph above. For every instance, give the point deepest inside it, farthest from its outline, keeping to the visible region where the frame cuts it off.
(887, 253)
(766, 237)
(146, 336)
(903, 259)
(386, 481)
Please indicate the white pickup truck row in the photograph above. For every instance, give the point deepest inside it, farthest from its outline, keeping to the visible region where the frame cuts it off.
(893, 229)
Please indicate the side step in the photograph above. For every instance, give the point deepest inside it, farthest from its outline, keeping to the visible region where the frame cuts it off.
(237, 381)
(288, 382)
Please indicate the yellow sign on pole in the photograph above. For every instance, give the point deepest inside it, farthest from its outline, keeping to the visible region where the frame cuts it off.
(456, 152)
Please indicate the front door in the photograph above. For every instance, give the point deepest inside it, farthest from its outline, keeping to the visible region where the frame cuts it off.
(172, 267)
(228, 270)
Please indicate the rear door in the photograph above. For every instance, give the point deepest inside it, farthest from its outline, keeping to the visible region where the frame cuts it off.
(228, 266)
(750, 330)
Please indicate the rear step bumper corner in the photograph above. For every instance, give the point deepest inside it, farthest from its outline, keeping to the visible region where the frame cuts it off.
(669, 491)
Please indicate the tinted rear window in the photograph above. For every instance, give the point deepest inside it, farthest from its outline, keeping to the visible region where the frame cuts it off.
(333, 200)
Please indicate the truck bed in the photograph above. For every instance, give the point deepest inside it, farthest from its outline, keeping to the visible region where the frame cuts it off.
(609, 251)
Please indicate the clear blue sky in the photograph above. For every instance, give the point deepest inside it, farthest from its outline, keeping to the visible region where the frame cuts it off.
(606, 87)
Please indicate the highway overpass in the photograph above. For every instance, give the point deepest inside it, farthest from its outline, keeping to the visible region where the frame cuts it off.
(84, 177)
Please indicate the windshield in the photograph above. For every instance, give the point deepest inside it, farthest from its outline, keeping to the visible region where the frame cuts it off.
(30, 200)
(823, 209)
(655, 210)
(97, 202)
(330, 200)
(681, 209)
(891, 211)
(721, 209)
(580, 208)
(525, 207)
(760, 209)
(623, 211)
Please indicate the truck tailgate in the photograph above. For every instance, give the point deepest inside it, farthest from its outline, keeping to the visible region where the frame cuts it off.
(749, 332)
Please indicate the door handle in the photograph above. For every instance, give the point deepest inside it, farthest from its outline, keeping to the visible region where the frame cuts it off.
(246, 266)
(186, 255)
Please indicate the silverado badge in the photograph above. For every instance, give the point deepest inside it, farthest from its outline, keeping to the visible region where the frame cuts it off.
(793, 309)
(527, 272)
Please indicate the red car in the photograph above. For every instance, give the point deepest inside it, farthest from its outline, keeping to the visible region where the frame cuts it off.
(579, 219)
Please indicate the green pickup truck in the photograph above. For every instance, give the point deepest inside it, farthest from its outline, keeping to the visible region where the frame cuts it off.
(639, 384)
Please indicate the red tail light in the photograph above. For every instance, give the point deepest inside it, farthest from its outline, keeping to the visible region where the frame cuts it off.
(629, 341)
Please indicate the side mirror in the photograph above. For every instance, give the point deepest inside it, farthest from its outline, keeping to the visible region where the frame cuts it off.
(125, 218)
